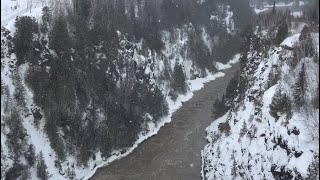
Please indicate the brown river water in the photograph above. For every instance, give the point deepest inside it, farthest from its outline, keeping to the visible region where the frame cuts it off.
(175, 152)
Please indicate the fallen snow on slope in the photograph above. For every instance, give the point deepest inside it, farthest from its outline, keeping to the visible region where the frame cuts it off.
(194, 85)
(221, 66)
(291, 41)
(258, 145)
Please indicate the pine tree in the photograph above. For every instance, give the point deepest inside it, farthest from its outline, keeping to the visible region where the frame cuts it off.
(300, 87)
(231, 90)
(19, 92)
(42, 172)
(179, 80)
(244, 129)
(280, 104)
(274, 8)
(46, 19)
(59, 37)
(313, 169)
(17, 136)
(306, 45)
(25, 28)
(282, 32)
(30, 155)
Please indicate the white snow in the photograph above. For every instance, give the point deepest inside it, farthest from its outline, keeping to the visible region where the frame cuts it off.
(291, 41)
(172, 52)
(258, 11)
(234, 60)
(254, 155)
(297, 14)
(194, 85)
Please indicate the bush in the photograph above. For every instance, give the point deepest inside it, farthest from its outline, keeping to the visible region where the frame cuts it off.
(224, 128)
(280, 104)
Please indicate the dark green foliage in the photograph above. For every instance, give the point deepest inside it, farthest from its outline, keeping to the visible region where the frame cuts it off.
(26, 27)
(38, 79)
(42, 172)
(82, 8)
(280, 104)
(82, 90)
(306, 45)
(224, 128)
(274, 8)
(17, 171)
(156, 103)
(231, 90)
(59, 39)
(179, 79)
(282, 32)
(220, 107)
(30, 155)
(19, 92)
(56, 142)
(17, 136)
(244, 129)
(300, 87)
(313, 168)
(46, 19)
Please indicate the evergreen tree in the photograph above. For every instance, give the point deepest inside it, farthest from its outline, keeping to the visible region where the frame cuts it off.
(280, 104)
(282, 32)
(231, 90)
(30, 155)
(220, 107)
(59, 39)
(23, 37)
(42, 172)
(274, 8)
(179, 80)
(46, 19)
(300, 87)
(244, 129)
(313, 168)
(19, 92)
(306, 45)
(17, 136)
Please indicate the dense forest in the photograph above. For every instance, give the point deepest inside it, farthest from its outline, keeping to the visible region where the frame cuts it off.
(99, 70)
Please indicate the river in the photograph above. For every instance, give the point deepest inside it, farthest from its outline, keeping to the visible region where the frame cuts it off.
(175, 152)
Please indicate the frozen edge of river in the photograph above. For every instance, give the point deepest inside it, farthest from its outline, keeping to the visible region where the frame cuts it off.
(153, 129)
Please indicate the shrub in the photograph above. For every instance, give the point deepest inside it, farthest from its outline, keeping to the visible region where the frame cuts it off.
(224, 128)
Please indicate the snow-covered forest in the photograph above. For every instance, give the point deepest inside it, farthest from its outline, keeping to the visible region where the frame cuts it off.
(83, 82)
(268, 122)
(83, 79)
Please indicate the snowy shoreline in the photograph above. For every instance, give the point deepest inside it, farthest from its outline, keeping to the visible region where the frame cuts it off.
(194, 85)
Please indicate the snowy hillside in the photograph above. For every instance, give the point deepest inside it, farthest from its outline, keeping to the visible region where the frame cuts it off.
(267, 134)
(64, 111)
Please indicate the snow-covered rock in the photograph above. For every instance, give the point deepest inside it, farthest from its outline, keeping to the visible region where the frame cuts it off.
(258, 145)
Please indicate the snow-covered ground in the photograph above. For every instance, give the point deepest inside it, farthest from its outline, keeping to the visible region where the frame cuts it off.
(267, 7)
(291, 41)
(37, 136)
(257, 144)
(194, 85)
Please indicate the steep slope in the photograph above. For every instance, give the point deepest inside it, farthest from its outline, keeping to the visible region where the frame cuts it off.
(271, 129)
(78, 92)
